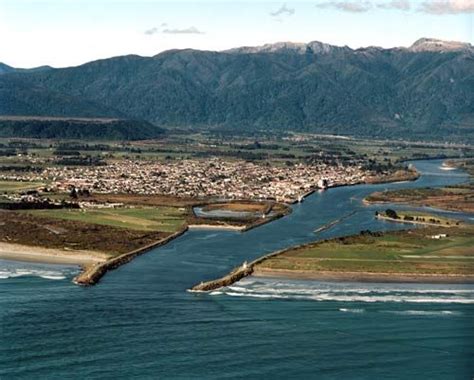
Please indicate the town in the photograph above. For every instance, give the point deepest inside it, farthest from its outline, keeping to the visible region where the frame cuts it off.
(195, 178)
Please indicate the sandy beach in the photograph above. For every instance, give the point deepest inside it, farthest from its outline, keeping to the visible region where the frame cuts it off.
(363, 276)
(19, 252)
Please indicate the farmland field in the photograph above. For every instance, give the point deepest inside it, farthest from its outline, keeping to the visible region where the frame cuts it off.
(165, 219)
(11, 186)
(405, 252)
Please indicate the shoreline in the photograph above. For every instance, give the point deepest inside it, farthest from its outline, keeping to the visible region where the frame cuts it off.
(419, 205)
(375, 181)
(96, 264)
(252, 269)
(403, 221)
(35, 254)
(364, 276)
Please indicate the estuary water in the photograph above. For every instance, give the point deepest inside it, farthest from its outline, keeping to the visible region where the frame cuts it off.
(140, 322)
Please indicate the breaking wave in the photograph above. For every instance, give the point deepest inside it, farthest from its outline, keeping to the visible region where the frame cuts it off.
(349, 292)
(10, 270)
(357, 311)
(425, 312)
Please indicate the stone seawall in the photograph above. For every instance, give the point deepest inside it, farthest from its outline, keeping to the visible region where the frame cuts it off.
(92, 275)
(234, 276)
(237, 274)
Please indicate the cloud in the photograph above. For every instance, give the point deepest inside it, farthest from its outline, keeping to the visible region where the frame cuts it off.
(283, 10)
(346, 6)
(151, 31)
(436, 7)
(190, 30)
(440, 7)
(401, 5)
(163, 29)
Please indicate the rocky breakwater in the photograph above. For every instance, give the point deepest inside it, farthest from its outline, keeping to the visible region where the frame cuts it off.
(246, 269)
(92, 275)
(234, 276)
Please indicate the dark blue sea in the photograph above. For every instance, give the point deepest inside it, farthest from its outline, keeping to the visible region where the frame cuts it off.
(141, 323)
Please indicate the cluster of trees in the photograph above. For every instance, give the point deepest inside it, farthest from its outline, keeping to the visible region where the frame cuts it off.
(13, 148)
(391, 213)
(80, 161)
(370, 233)
(43, 204)
(241, 154)
(21, 168)
(68, 146)
(8, 152)
(22, 144)
(75, 146)
(78, 129)
(258, 145)
(64, 152)
(376, 166)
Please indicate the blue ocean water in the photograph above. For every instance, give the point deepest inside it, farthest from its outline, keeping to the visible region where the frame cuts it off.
(140, 322)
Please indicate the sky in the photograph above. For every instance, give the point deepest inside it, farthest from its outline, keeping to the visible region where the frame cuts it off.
(64, 33)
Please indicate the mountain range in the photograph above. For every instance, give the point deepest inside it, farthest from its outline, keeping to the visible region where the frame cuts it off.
(424, 91)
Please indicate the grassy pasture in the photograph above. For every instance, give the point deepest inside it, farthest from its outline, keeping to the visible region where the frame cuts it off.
(403, 252)
(13, 186)
(164, 219)
(456, 198)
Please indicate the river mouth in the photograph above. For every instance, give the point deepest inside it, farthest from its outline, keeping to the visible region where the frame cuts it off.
(348, 214)
(141, 323)
(214, 253)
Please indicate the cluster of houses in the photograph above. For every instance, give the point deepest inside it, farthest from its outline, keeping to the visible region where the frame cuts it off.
(439, 236)
(201, 178)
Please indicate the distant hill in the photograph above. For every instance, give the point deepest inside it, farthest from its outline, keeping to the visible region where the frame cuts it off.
(77, 128)
(420, 92)
(5, 69)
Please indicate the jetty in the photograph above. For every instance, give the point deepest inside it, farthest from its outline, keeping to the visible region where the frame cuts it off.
(247, 269)
(327, 226)
(244, 270)
(92, 275)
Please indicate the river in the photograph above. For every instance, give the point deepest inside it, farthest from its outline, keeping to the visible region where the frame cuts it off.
(140, 322)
